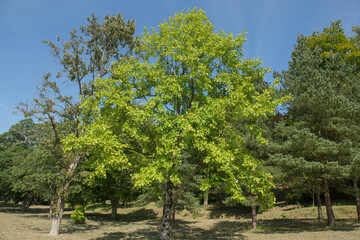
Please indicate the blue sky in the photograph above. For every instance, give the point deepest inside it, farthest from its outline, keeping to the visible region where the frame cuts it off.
(272, 28)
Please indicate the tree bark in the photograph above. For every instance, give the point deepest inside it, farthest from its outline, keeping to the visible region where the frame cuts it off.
(51, 210)
(329, 210)
(168, 206)
(318, 203)
(26, 204)
(357, 197)
(51, 207)
(114, 207)
(206, 197)
(173, 215)
(254, 214)
(55, 227)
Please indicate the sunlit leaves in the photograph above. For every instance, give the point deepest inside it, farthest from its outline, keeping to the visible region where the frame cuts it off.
(182, 96)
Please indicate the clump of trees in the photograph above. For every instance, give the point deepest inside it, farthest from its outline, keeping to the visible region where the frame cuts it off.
(179, 111)
(320, 137)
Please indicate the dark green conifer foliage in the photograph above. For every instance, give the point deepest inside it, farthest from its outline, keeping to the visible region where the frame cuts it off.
(323, 83)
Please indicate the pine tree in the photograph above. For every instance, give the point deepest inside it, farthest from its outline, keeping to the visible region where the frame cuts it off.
(322, 81)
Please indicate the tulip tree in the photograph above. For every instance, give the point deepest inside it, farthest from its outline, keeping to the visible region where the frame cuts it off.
(184, 95)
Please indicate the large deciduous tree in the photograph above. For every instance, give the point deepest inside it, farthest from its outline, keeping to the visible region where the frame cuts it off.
(180, 98)
(85, 56)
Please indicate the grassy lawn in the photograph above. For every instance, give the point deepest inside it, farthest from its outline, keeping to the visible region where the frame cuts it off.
(286, 222)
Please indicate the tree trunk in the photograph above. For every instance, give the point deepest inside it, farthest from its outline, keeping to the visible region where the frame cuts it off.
(26, 204)
(313, 199)
(318, 203)
(51, 207)
(55, 227)
(329, 210)
(125, 204)
(206, 197)
(168, 206)
(173, 216)
(357, 196)
(114, 207)
(51, 210)
(254, 214)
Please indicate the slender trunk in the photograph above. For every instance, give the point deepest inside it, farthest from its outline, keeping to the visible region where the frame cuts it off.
(318, 203)
(357, 196)
(51, 207)
(57, 215)
(26, 204)
(313, 199)
(114, 207)
(55, 227)
(168, 206)
(206, 197)
(125, 204)
(173, 216)
(329, 210)
(254, 214)
(52, 202)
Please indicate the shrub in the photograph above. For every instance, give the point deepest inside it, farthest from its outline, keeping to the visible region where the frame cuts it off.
(78, 216)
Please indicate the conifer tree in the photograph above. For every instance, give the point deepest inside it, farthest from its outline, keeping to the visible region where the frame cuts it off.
(323, 83)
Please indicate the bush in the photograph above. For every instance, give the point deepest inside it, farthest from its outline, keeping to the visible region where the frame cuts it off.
(78, 216)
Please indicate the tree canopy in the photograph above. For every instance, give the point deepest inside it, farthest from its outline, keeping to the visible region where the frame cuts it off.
(183, 95)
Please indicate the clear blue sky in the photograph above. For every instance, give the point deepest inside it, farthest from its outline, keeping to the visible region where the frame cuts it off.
(272, 26)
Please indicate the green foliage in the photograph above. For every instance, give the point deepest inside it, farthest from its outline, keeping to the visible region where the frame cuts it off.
(87, 54)
(78, 216)
(26, 167)
(318, 139)
(179, 98)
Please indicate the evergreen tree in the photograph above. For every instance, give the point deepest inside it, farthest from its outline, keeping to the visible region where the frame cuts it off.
(324, 109)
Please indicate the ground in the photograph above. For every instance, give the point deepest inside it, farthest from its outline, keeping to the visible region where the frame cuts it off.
(282, 222)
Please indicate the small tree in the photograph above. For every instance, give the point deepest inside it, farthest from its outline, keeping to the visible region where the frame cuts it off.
(87, 54)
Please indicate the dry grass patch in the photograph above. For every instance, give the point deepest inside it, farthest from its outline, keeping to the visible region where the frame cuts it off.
(288, 222)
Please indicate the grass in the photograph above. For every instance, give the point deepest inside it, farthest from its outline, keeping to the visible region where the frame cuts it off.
(282, 222)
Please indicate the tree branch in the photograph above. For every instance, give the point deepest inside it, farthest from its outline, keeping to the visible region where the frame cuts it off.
(177, 194)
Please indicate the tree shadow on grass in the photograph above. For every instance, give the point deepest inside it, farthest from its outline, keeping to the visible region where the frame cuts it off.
(17, 208)
(134, 216)
(219, 230)
(185, 230)
(304, 225)
(145, 233)
(239, 212)
(228, 229)
(76, 228)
